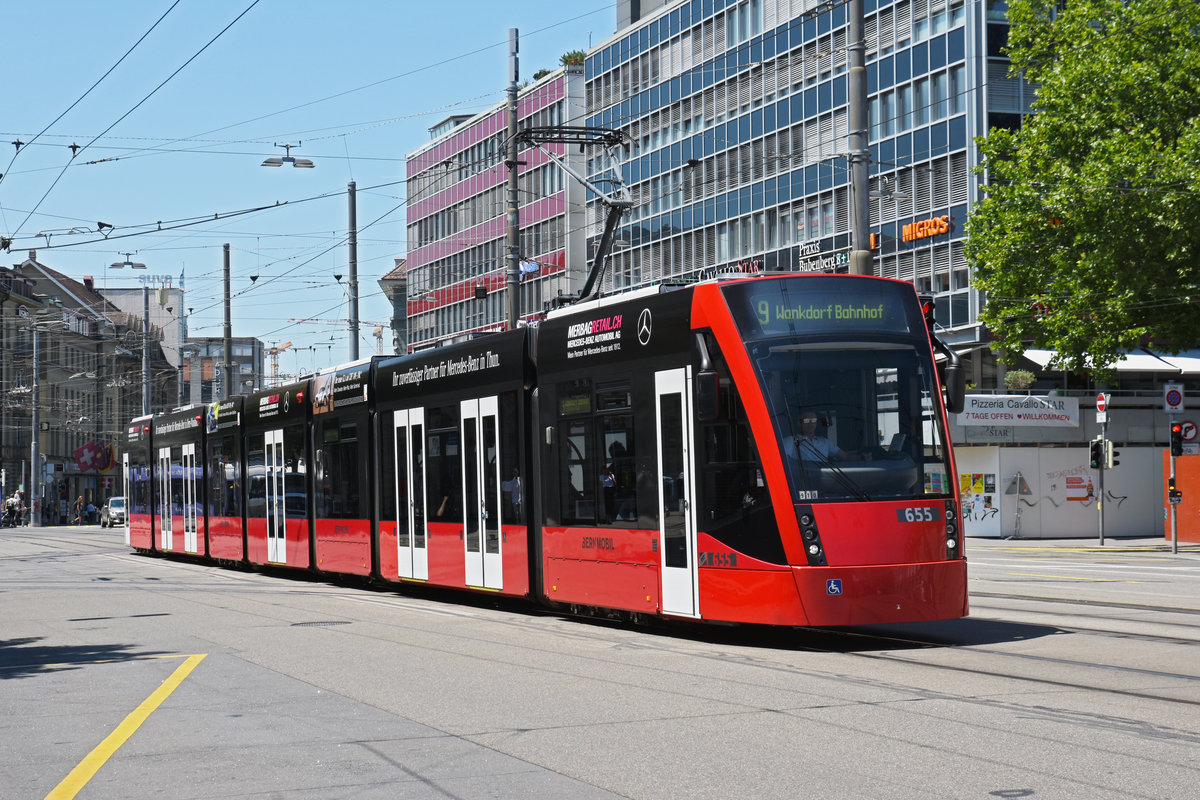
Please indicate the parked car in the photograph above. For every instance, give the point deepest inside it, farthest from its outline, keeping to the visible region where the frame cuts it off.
(113, 512)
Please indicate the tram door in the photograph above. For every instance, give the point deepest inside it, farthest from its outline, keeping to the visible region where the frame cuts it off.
(481, 492)
(190, 475)
(128, 493)
(165, 520)
(274, 467)
(411, 532)
(677, 525)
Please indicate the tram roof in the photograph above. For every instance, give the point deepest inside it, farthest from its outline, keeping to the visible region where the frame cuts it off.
(613, 299)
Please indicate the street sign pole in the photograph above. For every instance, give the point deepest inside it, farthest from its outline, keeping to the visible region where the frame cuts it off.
(1103, 449)
(1102, 418)
(1173, 403)
(1171, 500)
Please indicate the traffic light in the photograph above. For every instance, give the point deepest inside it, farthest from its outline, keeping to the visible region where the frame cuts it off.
(1110, 455)
(1176, 438)
(928, 309)
(1174, 496)
(1097, 451)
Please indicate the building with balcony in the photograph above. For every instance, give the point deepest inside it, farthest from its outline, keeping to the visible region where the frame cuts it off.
(88, 363)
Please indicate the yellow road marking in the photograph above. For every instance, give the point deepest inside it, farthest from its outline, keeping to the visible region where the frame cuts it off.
(91, 764)
(1068, 577)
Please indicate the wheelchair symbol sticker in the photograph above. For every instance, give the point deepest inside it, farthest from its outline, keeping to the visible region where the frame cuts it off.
(833, 586)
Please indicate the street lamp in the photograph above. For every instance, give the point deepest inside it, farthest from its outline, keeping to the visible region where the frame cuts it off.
(279, 161)
(35, 446)
(145, 330)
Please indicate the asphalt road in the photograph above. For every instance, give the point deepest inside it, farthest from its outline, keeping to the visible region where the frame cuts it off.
(125, 676)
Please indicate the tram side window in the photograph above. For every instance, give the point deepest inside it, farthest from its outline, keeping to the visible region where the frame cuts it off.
(256, 480)
(387, 473)
(338, 483)
(139, 488)
(295, 468)
(735, 506)
(176, 479)
(444, 468)
(512, 482)
(224, 477)
(598, 473)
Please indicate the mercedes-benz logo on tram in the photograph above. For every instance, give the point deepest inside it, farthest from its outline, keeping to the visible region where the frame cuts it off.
(644, 325)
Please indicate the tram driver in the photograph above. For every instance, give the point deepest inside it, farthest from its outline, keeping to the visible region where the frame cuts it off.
(811, 446)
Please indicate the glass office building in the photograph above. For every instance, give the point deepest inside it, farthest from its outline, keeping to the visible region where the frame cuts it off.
(737, 112)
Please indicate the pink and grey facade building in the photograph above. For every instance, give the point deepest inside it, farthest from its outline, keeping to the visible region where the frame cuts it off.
(458, 217)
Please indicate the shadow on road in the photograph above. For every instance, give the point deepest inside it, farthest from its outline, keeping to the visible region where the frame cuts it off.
(21, 658)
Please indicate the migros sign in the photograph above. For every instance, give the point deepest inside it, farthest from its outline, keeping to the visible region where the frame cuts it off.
(925, 228)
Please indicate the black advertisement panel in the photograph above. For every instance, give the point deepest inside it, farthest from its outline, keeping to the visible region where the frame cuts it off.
(618, 332)
(480, 366)
(274, 407)
(223, 415)
(178, 426)
(138, 431)
(341, 389)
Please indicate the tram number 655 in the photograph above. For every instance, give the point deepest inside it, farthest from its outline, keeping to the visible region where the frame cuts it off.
(918, 514)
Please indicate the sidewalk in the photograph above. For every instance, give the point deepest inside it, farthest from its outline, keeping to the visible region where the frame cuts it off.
(1147, 544)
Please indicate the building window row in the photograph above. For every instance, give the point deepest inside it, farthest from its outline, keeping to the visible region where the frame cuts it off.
(536, 184)
(478, 158)
(665, 48)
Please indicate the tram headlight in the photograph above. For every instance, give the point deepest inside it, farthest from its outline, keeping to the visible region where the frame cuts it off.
(951, 544)
(805, 520)
(809, 534)
(814, 549)
(951, 528)
(949, 512)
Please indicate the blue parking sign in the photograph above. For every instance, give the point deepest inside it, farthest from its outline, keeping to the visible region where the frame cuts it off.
(833, 586)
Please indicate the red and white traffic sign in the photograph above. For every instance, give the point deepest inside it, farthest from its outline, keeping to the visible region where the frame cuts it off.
(1101, 401)
(1172, 398)
(1188, 430)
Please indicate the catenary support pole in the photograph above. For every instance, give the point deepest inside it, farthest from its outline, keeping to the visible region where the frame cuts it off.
(514, 213)
(861, 261)
(145, 348)
(35, 449)
(353, 244)
(227, 382)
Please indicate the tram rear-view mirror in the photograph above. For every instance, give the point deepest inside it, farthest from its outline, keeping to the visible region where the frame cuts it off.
(956, 388)
(708, 386)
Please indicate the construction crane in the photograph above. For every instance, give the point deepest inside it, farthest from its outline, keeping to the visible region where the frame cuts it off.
(338, 322)
(274, 354)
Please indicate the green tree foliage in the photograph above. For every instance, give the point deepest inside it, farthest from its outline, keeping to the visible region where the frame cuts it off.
(572, 58)
(1088, 239)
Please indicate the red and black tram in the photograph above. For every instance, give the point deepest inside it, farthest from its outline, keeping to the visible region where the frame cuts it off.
(760, 449)
(177, 454)
(453, 434)
(225, 525)
(277, 441)
(342, 474)
(136, 465)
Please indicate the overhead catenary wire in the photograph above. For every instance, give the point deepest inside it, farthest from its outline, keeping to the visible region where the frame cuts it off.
(99, 80)
(75, 152)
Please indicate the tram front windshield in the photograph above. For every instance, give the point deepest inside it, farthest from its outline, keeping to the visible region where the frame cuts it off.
(853, 402)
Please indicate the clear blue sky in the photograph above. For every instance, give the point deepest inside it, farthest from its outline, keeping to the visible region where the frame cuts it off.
(358, 83)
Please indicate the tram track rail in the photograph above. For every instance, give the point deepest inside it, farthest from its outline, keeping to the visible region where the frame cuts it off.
(755, 646)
